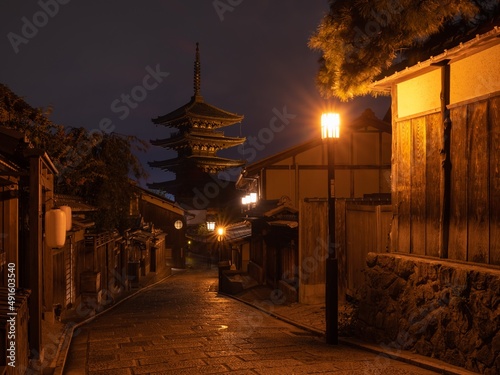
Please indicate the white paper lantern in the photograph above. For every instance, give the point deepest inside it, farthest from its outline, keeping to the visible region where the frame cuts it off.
(67, 211)
(55, 228)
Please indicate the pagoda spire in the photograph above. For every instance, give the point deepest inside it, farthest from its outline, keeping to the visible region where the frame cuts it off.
(197, 75)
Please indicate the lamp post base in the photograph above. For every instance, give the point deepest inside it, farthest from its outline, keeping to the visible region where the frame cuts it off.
(331, 301)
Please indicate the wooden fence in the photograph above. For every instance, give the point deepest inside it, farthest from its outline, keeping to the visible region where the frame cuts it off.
(362, 226)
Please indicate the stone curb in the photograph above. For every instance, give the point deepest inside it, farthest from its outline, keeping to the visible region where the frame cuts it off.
(417, 360)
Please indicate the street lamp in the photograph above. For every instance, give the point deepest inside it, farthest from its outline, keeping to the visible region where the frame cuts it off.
(220, 238)
(330, 131)
(210, 224)
(220, 232)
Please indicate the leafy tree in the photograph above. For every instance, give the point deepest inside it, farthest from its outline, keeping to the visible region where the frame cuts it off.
(104, 178)
(15, 113)
(358, 39)
(95, 166)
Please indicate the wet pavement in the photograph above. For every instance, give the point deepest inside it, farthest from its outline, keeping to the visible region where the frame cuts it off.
(183, 326)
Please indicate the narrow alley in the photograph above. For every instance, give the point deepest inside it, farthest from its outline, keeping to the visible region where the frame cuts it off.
(183, 326)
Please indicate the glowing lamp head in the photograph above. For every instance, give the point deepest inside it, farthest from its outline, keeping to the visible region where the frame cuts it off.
(220, 231)
(330, 125)
(211, 226)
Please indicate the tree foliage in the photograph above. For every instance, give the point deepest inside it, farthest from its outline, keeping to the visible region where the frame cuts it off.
(358, 39)
(93, 165)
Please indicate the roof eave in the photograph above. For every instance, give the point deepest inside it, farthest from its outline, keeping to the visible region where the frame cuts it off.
(480, 42)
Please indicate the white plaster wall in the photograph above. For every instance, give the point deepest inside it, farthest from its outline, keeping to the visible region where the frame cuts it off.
(475, 75)
(419, 94)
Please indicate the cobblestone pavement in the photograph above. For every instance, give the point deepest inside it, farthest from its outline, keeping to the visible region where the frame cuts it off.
(183, 326)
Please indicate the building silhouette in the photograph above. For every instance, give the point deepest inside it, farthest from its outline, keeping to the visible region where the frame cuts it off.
(197, 138)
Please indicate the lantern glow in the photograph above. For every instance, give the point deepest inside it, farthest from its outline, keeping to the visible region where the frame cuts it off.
(67, 211)
(330, 125)
(55, 228)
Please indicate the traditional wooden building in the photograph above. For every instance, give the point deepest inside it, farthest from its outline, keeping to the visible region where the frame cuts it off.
(196, 138)
(433, 294)
(68, 262)
(26, 192)
(168, 216)
(286, 184)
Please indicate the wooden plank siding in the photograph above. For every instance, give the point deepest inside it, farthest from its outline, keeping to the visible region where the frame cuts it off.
(417, 188)
(457, 248)
(313, 240)
(494, 120)
(374, 223)
(474, 221)
(434, 143)
(404, 182)
(477, 189)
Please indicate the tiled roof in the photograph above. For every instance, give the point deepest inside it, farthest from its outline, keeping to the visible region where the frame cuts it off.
(76, 203)
(194, 137)
(198, 109)
(449, 38)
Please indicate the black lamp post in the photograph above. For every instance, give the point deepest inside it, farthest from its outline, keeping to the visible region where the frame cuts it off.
(220, 239)
(330, 129)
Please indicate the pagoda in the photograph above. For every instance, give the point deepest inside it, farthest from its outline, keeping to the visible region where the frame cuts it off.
(196, 138)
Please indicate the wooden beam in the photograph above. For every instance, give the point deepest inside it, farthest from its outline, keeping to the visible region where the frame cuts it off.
(34, 258)
(445, 181)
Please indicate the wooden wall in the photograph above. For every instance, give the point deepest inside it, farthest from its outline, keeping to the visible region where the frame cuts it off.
(164, 219)
(473, 219)
(366, 229)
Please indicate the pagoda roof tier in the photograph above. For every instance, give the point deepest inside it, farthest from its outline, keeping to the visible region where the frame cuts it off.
(196, 140)
(208, 164)
(198, 114)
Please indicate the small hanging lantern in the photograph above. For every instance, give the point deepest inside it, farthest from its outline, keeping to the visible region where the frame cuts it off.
(178, 224)
(55, 228)
(67, 211)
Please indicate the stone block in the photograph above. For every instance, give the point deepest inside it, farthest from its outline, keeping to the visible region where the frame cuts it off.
(445, 274)
(387, 262)
(371, 259)
(405, 268)
(423, 347)
(460, 282)
(396, 288)
(485, 356)
(478, 280)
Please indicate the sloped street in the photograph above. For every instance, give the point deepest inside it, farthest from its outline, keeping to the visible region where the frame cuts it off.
(182, 326)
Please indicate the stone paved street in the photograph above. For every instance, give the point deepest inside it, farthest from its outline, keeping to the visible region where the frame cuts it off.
(182, 326)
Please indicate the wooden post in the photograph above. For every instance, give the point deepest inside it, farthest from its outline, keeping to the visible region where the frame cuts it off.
(34, 258)
(394, 235)
(445, 180)
(332, 286)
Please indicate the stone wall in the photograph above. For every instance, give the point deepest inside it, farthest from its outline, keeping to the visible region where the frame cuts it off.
(445, 310)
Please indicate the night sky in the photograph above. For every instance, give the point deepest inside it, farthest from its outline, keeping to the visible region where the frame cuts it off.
(84, 57)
